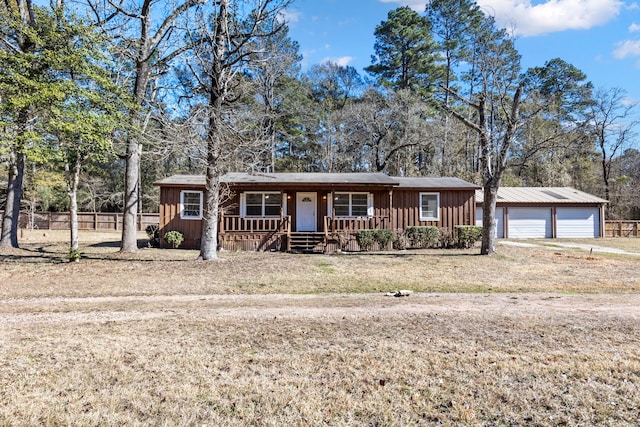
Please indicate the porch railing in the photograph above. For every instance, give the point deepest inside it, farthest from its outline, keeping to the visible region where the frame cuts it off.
(334, 225)
(232, 223)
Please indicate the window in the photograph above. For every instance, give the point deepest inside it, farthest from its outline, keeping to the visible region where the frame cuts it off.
(262, 204)
(352, 204)
(429, 206)
(191, 204)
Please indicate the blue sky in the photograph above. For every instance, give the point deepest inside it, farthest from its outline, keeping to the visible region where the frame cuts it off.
(600, 37)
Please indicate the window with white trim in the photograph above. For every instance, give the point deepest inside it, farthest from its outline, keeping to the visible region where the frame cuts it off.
(429, 206)
(190, 204)
(261, 204)
(353, 204)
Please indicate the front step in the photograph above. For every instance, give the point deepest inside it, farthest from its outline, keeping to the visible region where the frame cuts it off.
(307, 242)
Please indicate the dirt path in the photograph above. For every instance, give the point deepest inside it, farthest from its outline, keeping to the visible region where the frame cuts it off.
(24, 312)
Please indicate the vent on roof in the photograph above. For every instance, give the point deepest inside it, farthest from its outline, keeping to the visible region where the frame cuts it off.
(555, 195)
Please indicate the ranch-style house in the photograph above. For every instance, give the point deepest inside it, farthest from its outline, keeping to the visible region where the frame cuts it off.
(310, 211)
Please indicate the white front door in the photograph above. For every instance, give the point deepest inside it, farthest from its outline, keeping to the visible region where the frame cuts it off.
(306, 207)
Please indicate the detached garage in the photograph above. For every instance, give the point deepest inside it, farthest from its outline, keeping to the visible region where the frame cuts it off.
(546, 212)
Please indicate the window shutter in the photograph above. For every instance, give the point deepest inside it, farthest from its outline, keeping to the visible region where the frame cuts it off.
(370, 204)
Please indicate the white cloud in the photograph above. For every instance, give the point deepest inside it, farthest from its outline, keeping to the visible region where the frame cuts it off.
(531, 18)
(417, 5)
(342, 61)
(628, 101)
(290, 16)
(627, 48)
(550, 16)
(633, 28)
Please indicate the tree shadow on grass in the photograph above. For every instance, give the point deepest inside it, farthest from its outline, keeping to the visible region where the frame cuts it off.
(34, 256)
(142, 243)
(58, 253)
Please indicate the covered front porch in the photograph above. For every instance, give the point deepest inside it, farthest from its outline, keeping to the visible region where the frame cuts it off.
(237, 233)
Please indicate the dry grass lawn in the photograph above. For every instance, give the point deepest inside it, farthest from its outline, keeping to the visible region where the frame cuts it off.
(532, 336)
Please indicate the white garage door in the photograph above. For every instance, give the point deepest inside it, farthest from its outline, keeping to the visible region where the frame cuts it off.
(578, 222)
(529, 223)
(499, 220)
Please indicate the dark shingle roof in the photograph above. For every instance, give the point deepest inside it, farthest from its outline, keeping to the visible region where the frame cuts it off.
(357, 178)
(434, 182)
(310, 178)
(182, 180)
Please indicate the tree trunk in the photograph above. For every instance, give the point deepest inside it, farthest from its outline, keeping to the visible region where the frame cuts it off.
(217, 93)
(73, 178)
(489, 234)
(209, 238)
(129, 242)
(11, 216)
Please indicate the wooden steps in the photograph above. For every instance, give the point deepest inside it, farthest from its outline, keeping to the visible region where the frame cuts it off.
(307, 242)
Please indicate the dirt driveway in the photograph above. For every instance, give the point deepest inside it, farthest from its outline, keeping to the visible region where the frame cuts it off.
(23, 312)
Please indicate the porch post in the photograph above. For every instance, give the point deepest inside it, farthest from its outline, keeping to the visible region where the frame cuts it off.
(283, 199)
(333, 210)
(391, 210)
(221, 224)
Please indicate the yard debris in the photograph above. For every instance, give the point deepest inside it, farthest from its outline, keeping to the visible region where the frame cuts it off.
(402, 293)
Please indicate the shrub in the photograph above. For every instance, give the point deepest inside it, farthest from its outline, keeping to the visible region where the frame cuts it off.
(400, 240)
(383, 237)
(422, 237)
(74, 254)
(446, 238)
(343, 239)
(365, 239)
(467, 235)
(174, 238)
(153, 233)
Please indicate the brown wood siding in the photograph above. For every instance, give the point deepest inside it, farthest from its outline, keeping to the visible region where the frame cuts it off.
(456, 208)
(170, 218)
(381, 204)
(232, 206)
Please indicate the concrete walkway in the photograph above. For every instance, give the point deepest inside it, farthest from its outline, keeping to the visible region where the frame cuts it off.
(554, 244)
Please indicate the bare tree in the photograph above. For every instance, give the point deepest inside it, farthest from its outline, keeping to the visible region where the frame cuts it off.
(224, 49)
(147, 31)
(385, 131)
(276, 60)
(613, 120)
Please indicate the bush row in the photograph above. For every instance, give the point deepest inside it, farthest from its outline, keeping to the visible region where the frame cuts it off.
(463, 236)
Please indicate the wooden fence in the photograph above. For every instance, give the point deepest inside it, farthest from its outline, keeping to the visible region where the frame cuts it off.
(621, 228)
(96, 221)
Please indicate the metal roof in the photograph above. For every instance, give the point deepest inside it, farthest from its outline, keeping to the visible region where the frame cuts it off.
(359, 178)
(542, 195)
